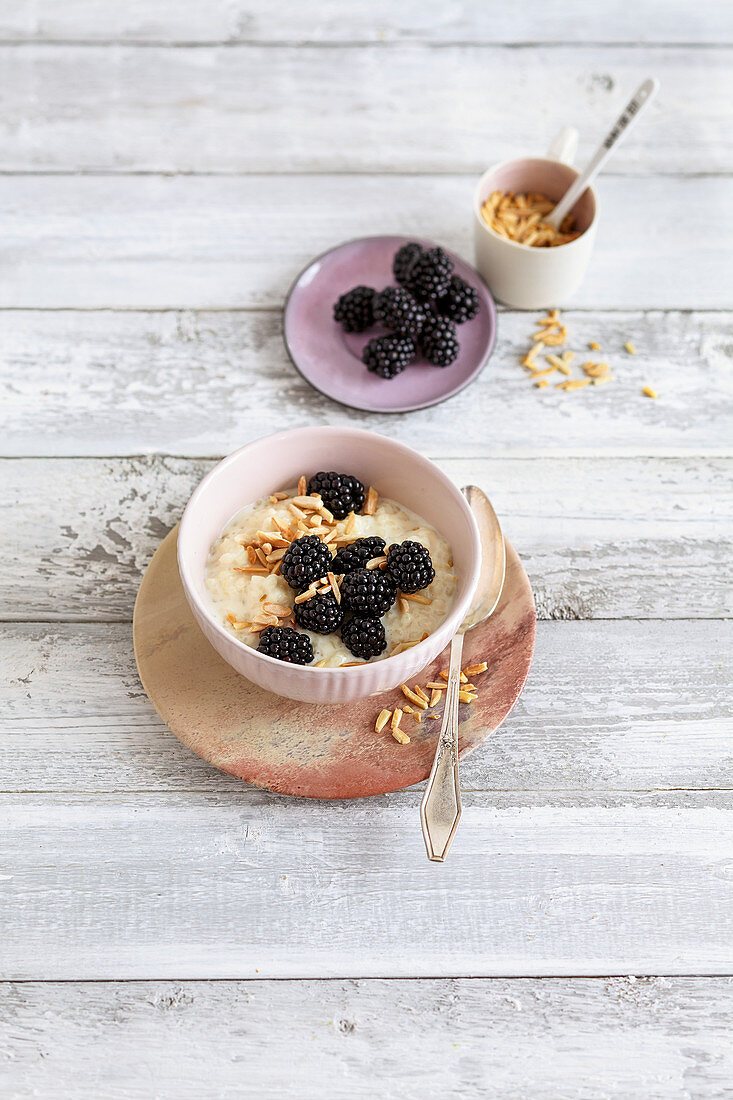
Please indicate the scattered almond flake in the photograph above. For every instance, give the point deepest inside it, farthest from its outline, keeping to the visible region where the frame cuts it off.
(401, 647)
(435, 696)
(542, 384)
(376, 563)
(467, 697)
(314, 520)
(649, 392)
(419, 691)
(536, 349)
(630, 347)
(322, 664)
(262, 556)
(307, 595)
(556, 362)
(433, 684)
(543, 373)
(474, 670)
(401, 736)
(564, 369)
(276, 569)
(262, 620)
(251, 555)
(403, 604)
(407, 709)
(529, 363)
(594, 346)
(557, 338)
(275, 555)
(302, 485)
(284, 528)
(322, 591)
(370, 504)
(308, 504)
(278, 609)
(297, 512)
(444, 672)
(349, 523)
(251, 569)
(266, 536)
(417, 715)
(573, 384)
(433, 716)
(351, 664)
(237, 624)
(416, 597)
(396, 719)
(330, 536)
(567, 356)
(382, 719)
(328, 516)
(413, 697)
(334, 586)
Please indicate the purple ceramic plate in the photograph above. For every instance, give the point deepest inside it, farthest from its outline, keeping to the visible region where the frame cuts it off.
(330, 359)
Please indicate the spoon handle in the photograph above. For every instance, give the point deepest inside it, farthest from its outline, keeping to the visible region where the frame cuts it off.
(440, 809)
(641, 97)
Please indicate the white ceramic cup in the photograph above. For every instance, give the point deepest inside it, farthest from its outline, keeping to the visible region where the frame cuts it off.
(517, 274)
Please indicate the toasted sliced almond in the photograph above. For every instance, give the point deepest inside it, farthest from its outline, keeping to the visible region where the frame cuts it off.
(435, 696)
(542, 384)
(474, 670)
(401, 736)
(322, 664)
(403, 604)
(377, 563)
(302, 485)
(307, 595)
(261, 555)
(382, 719)
(567, 356)
(630, 347)
(276, 555)
(308, 504)
(649, 392)
(328, 516)
(467, 696)
(284, 528)
(594, 345)
(278, 609)
(416, 597)
(435, 684)
(277, 497)
(370, 504)
(401, 647)
(413, 697)
(419, 691)
(444, 672)
(252, 570)
(349, 523)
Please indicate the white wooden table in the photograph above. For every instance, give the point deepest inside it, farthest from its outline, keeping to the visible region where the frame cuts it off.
(166, 168)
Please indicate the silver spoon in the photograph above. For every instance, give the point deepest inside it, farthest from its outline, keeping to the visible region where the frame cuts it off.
(440, 809)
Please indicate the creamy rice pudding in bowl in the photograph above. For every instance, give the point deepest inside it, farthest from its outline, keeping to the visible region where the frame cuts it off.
(322, 589)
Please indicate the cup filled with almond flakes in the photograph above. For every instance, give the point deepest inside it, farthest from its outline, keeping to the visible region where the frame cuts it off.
(527, 263)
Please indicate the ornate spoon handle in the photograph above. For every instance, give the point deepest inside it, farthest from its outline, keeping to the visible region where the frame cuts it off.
(440, 809)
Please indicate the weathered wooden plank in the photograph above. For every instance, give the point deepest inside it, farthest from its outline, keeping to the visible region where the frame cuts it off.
(305, 109)
(203, 887)
(600, 538)
(155, 242)
(476, 1038)
(77, 383)
(534, 21)
(608, 706)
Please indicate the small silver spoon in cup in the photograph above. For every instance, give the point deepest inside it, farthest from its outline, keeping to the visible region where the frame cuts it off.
(440, 809)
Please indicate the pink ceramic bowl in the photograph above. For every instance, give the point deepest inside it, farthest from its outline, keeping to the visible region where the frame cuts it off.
(276, 461)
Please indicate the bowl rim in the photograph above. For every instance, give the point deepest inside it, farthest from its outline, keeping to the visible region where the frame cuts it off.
(455, 615)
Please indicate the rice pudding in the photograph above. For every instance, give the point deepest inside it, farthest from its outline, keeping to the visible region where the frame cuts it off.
(249, 593)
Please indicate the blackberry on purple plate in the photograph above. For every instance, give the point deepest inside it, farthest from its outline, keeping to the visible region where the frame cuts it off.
(410, 566)
(354, 310)
(364, 637)
(341, 493)
(460, 303)
(285, 644)
(396, 308)
(439, 342)
(387, 356)
(430, 275)
(404, 258)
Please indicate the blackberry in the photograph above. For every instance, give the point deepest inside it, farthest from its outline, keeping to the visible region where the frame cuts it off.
(305, 560)
(439, 342)
(357, 554)
(430, 275)
(460, 302)
(368, 593)
(341, 493)
(396, 308)
(286, 644)
(404, 258)
(410, 566)
(354, 311)
(364, 637)
(387, 356)
(321, 614)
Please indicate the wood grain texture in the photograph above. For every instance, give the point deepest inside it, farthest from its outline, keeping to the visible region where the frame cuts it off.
(78, 383)
(195, 886)
(601, 538)
(534, 21)
(609, 706)
(584, 1038)
(155, 242)
(306, 109)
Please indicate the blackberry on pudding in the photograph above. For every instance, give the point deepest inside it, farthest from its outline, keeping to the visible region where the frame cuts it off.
(367, 593)
(341, 493)
(285, 644)
(357, 554)
(364, 638)
(410, 566)
(305, 560)
(321, 614)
